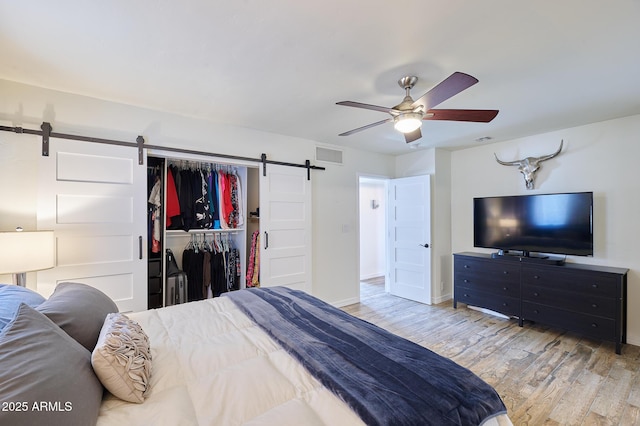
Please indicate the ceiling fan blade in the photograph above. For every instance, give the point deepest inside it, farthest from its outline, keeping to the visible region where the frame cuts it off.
(364, 106)
(475, 115)
(413, 136)
(452, 85)
(368, 126)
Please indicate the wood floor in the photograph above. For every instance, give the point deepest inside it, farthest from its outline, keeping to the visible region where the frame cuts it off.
(545, 376)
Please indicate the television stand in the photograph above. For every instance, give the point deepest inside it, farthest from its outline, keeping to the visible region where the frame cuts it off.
(586, 299)
(525, 256)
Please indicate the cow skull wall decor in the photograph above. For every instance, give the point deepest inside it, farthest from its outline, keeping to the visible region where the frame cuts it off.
(530, 165)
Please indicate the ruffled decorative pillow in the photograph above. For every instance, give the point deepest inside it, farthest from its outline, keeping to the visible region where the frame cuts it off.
(122, 358)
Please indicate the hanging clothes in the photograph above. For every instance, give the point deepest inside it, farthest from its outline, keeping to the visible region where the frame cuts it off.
(233, 199)
(192, 260)
(232, 273)
(206, 275)
(255, 280)
(204, 196)
(253, 268)
(215, 194)
(212, 197)
(202, 209)
(173, 204)
(155, 203)
(218, 278)
(238, 201)
(224, 201)
(212, 268)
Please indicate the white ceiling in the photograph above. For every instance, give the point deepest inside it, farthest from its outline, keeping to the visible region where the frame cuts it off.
(280, 66)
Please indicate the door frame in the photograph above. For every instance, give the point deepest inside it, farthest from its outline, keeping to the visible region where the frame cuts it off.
(385, 180)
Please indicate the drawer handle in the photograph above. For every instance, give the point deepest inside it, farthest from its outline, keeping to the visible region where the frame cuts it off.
(505, 272)
(505, 304)
(594, 325)
(594, 306)
(466, 280)
(466, 266)
(536, 294)
(535, 311)
(466, 295)
(505, 288)
(594, 285)
(536, 277)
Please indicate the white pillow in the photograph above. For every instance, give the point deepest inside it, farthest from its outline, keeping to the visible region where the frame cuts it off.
(122, 358)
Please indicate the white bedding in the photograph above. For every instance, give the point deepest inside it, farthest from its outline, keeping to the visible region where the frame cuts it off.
(213, 366)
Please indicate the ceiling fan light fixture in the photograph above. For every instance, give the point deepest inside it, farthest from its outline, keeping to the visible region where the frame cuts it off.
(408, 122)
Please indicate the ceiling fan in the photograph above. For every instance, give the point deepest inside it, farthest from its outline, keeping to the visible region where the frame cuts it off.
(408, 114)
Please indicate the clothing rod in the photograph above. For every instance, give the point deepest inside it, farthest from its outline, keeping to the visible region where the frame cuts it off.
(46, 133)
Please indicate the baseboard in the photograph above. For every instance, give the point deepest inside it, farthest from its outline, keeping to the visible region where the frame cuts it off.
(369, 276)
(441, 298)
(344, 302)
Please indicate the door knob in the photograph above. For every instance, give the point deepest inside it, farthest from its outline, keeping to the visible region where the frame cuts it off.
(425, 245)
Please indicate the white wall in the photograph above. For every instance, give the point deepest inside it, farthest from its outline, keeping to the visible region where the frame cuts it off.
(372, 228)
(335, 269)
(600, 157)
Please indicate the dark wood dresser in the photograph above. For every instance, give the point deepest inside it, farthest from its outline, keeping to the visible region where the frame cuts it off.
(586, 299)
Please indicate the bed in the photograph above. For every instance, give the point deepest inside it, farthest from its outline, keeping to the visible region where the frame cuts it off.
(252, 357)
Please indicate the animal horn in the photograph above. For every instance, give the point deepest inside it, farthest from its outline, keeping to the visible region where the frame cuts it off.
(547, 157)
(507, 163)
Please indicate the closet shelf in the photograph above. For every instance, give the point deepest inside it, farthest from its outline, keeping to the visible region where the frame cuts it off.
(174, 232)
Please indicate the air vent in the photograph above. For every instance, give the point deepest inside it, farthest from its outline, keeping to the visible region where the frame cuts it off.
(328, 155)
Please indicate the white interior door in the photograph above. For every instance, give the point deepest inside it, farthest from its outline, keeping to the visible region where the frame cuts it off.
(94, 197)
(410, 238)
(285, 226)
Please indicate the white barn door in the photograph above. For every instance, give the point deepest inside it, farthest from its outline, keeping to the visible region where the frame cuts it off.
(409, 240)
(94, 197)
(285, 228)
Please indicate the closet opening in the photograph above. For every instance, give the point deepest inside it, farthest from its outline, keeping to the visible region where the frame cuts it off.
(203, 220)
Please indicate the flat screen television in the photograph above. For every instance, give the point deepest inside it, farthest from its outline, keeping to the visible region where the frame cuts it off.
(540, 223)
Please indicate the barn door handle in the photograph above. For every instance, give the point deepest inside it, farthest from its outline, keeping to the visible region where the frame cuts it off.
(266, 240)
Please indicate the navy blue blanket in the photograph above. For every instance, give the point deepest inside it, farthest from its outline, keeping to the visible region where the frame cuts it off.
(385, 379)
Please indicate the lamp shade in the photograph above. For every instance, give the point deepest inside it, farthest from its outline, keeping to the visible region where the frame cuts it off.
(408, 122)
(26, 251)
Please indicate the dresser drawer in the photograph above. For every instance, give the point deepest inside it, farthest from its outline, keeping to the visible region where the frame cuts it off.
(498, 288)
(474, 297)
(496, 277)
(493, 269)
(595, 283)
(572, 301)
(589, 325)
